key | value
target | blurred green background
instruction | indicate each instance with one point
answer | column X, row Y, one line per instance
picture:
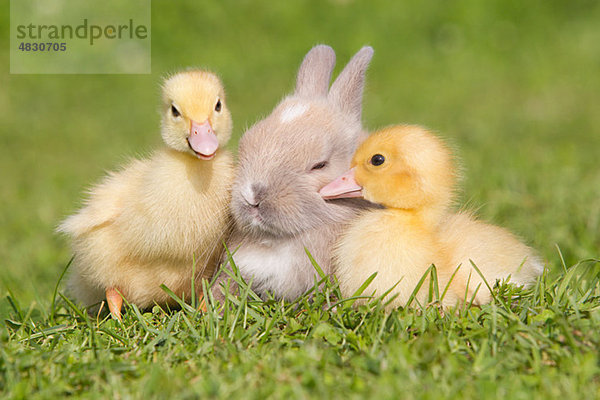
column 513, row 85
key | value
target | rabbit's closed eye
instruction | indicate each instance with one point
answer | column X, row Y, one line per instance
column 319, row 165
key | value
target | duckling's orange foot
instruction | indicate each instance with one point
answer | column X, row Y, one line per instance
column 115, row 301
column 202, row 303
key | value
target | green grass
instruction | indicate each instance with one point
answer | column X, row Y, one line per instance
column 514, row 86
column 537, row 343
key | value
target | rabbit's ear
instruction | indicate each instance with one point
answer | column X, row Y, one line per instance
column 346, row 92
column 315, row 72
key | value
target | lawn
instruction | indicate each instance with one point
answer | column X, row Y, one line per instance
column 513, row 86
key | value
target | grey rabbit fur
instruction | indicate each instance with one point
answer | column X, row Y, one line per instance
column 284, row 159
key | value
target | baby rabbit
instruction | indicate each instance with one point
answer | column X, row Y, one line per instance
column 284, row 160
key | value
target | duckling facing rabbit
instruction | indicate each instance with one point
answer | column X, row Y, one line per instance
column 146, row 225
column 410, row 172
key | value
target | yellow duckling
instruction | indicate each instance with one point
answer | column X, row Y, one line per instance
column 146, row 225
column 410, row 172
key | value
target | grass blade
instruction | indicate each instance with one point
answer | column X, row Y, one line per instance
column 64, row 271
column 315, row 264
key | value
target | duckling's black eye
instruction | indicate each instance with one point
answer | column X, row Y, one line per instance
column 218, row 106
column 377, row 159
column 175, row 111
column 320, row 165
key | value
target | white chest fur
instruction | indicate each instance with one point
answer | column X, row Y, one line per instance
column 280, row 267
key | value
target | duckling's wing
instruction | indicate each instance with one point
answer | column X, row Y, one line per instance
column 497, row 253
column 105, row 202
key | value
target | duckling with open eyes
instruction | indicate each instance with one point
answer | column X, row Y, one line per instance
column 411, row 173
column 148, row 223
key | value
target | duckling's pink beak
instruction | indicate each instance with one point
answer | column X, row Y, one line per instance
column 203, row 140
column 344, row 186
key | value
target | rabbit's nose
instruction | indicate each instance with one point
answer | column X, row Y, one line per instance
column 254, row 194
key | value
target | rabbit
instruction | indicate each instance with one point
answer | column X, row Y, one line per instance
column 284, row 160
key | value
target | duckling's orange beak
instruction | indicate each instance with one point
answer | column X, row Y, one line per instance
column 203, row 140
column 344, row 186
